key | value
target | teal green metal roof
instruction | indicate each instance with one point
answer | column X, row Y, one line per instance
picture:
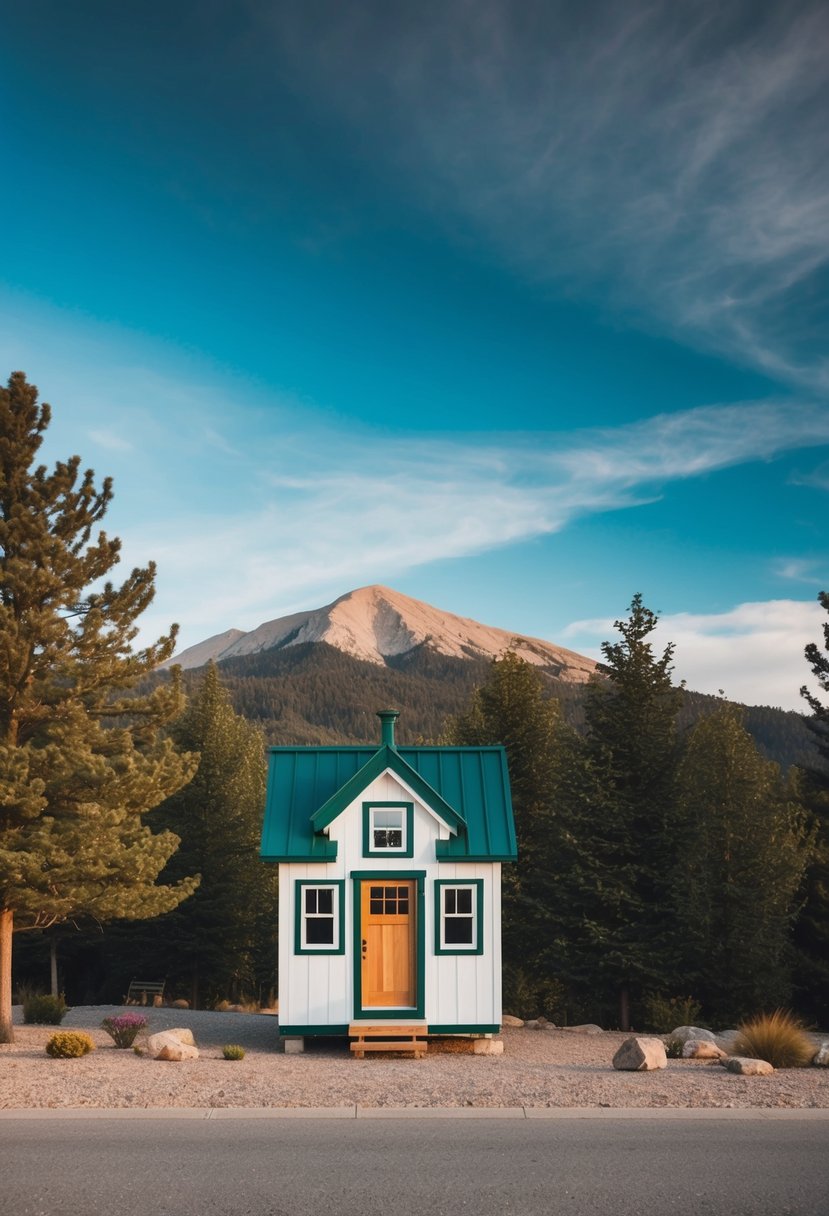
column 309, row 786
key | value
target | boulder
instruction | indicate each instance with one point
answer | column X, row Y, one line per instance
column 640, row 1055
column 701, row 1049
column 509, row 1019
column 684, row 1033
column 177, row 1044
column 586, row 1028
column 821, row 1058
column 745, row 1066
column 181, row 1004
column 488, row 1047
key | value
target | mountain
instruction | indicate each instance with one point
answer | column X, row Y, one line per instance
column 378, row 625
column 319, row 677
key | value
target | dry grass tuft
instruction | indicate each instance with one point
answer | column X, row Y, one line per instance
column 777, row 1037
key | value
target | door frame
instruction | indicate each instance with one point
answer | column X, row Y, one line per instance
column 380, row 1015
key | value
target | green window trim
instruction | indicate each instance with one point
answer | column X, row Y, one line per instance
column 380, row 1014
column 338, row 884
column 408, row 850
column 477, row 946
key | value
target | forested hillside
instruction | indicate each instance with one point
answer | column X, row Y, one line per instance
column 315, row 693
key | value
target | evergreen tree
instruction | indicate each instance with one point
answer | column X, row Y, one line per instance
column 812, row 929
column 512, row 710
column 222, row 941
column 631, row 755
column 744, row 842
column 80, row 761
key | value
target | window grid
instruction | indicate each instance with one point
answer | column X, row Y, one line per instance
column 459, row 916
column 318, row 917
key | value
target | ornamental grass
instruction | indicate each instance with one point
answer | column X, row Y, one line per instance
column 777, row 1037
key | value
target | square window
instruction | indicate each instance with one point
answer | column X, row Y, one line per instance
column 387, row 828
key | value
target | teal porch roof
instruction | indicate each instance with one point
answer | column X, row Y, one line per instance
column 467, row 787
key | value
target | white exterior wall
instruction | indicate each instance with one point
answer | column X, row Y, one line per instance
column 318, row 990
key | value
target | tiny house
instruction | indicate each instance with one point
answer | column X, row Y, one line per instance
column 389, row 885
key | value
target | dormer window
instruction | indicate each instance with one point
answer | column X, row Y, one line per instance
column 387, row 829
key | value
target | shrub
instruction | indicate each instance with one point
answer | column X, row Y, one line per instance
column 123, row 1029
column 67, row 1044
column 42, row 1010
column 673, row 1048
column 232, row 1051
column 664, row 1014
column 530, row 996
column 777, row 1037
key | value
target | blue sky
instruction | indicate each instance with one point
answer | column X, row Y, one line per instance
column 520, row 309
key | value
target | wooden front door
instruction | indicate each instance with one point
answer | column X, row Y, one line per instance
column 388, row 911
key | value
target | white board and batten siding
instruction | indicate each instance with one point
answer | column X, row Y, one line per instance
column 460, row 989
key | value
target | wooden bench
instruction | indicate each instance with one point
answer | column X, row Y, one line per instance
column 388, row 1038
column 145, row 992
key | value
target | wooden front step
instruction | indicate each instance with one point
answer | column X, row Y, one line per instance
column 388, row 1038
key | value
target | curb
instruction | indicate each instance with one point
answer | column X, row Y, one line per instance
column 665, row 1114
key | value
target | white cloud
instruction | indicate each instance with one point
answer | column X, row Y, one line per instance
column 802, row 570
column 672, row 160
column 332, row 512
column 753, row 653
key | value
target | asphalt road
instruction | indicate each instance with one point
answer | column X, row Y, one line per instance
column 380, row 1167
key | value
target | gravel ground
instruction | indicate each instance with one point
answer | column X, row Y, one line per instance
column 538, row 1068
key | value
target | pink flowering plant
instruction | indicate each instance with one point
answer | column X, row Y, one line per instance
column 123, row 1029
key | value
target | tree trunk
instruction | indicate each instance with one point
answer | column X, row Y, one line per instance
column 53, row 965
column 6, row 927
column 624, row 1008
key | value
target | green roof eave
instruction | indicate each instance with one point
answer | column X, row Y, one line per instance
column 385, row 758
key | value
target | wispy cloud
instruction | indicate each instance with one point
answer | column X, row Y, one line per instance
column 753, row 653
column 110, row 441
column 669, row 159
column 332, row 512
column 802, row 570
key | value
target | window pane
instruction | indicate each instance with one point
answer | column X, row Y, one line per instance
column 319, row 931
column 310, row 899
column 325, row 901
column 391, row 906
column 376, row 893
column 457, row 931
column 388, row 819
column 375, row 906
column 449, row 900
column 388, row 838
column 403, row 905
column 465, row 900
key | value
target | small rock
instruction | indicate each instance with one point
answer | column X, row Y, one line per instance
column 701, row 1049
column 509, row 1019
column 169, row 1045
column 821, row 1059
column 640, row 1055
column 684, row 1033
column 181, row 1004
column 532, row 1024
column 183, row 1034
column 488, row 1047
column 586, row 1028
column 744, row 1066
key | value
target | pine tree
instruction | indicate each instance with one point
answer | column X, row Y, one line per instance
column 222, row 941
column 512, row 710
column 80, row 761
column 744, row 842
column 631, row 714
column 812, row 929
